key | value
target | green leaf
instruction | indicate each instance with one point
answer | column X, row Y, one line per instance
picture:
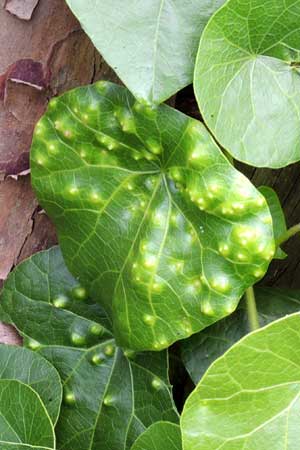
column 151, row 45
column 249, row 398
column 160, row 436
column 150, row 214
column 23, row 418
column 201, row 350
column 279, row 223
column 20, row 364
column 110, row 396
column 247, row 80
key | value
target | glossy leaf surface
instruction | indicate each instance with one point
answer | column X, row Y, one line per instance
column 202, row 349
column 150, row 214
column 279, row 223
column 20, row 364
column 151, row 45
column 247, row 80
column 110, row 397
column 160, row 436
column 249, row 398
column 33, row 428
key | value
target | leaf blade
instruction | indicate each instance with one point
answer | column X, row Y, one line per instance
column 243, row 76
column 20, row 364
column 136, row 180
column 264, row 372
column 161, row 435
column 152, row 47
column 103, row 386
column 35, row 427
column 202, row 349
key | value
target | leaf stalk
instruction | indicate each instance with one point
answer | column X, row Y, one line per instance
column 252, row 310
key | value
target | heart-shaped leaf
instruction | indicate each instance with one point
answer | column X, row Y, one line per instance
column 249, row 398
column 24, row 421
column 247, row 80
column 202, row 349
column 150, row 214
column 110, row 397
column 160, row 436
column 17, row 363
column 278, row 217
column 151, row 45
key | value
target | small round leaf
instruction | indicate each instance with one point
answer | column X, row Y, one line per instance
column 247, row 80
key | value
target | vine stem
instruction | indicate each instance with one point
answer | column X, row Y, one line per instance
column 288, row 234
column 252, row 310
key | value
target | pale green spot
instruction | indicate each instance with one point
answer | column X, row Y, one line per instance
column 60, row 301
column 33, row 344
column 220, row 284
column 69, row 398
column 150, row 261
column 78, row 339
column 80, row 293
column 157, row 384
column 109, row 350
column 109, row 400
column 98, row 359
column 148, row 319
column 96, row 329
column 224, row 249
column 207, row 309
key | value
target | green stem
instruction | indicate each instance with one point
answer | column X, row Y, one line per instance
column 251, row 308
column 288, row 234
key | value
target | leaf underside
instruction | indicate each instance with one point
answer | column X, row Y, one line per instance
column 110, row 396
column 151, row 216
column 249, row 398
column 152, row 45
column 247, row 80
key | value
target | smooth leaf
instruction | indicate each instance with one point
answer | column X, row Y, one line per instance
column 23, row 417
column 151, row 45
column 247, row 80
column 20, row 364
column 110, row 397
column 160, row 436
column 202, row 349
column 279, row 223
column 249, row 398
column 150, row 214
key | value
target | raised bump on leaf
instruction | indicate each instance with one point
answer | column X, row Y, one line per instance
column 179, row 234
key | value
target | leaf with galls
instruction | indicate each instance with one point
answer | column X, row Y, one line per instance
column 150, row 214
column 110, row 396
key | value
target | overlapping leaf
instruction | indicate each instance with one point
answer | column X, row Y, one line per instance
column 24, row 421
column 247, row 80
column 202, row 349
column 151, row 45
column 279, row 223
column 150, row 214
column 160, row 436
column 22, row 365
column 110, row 397
column 249, row 398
